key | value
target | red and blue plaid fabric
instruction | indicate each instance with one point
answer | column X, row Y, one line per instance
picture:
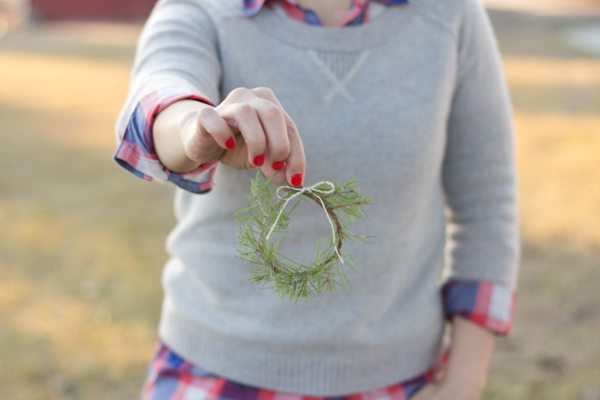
column 483, row 302
column 136, row 152
column 486, row 303
column 358, row 12
column 172, row 377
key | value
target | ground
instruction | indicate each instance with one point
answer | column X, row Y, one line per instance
column 82, row 242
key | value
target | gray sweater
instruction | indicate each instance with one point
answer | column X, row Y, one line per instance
column 413, row 104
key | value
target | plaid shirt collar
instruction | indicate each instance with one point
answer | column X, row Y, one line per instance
column 252, row 7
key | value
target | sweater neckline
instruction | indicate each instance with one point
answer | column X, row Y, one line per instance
column 329, row 38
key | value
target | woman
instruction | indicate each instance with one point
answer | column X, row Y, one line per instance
column 411, row 100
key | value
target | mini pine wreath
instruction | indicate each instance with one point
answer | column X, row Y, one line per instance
column 267, row 214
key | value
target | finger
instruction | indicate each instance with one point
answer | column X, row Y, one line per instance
column 204, row 134
column 244, row 117
column 277, row 177
column 274, row 125
column 296, row 161
column 265, row 93
column 210, row 125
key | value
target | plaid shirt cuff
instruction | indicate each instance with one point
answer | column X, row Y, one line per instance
column 136, row 152
column 486, row 303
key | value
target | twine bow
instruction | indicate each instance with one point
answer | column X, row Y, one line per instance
column 315, row 191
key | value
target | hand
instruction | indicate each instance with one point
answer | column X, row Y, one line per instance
column 464, row 376
column 248, row 129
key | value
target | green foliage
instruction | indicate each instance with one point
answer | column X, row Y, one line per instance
column 289, row 277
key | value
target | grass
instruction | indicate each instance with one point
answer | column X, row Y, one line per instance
column 82, row 255
column 82, row 243
column 554, row 350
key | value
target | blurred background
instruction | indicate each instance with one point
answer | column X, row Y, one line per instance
column 82, row 241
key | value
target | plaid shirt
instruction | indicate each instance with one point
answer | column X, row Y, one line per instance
column 172, row 377
column 486, row 303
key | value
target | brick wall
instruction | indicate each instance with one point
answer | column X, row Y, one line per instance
column 91, row 9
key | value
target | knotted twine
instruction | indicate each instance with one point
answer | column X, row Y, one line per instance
column 315, row 191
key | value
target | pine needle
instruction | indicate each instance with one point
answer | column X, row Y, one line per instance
column 288, row 277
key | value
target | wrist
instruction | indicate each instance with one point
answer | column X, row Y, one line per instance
column 470, row 355
column 471, row 381
column 461, row 389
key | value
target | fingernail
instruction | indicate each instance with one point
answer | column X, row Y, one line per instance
column 297, row 179
column 230, row 144
column 277, row 165
column 259, row 160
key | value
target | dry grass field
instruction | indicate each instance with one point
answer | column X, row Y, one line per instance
column 81, row 241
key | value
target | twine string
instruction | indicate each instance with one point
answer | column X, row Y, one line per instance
column 315, row 191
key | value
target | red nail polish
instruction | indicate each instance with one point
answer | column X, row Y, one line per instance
column 259, row 160
column 230, row 144
column 277, row 165
column 297, row 179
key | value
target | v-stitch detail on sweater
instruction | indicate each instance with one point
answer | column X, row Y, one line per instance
column 339, row 73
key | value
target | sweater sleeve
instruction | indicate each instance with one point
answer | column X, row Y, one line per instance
column 176, row 59
column 479, row 179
